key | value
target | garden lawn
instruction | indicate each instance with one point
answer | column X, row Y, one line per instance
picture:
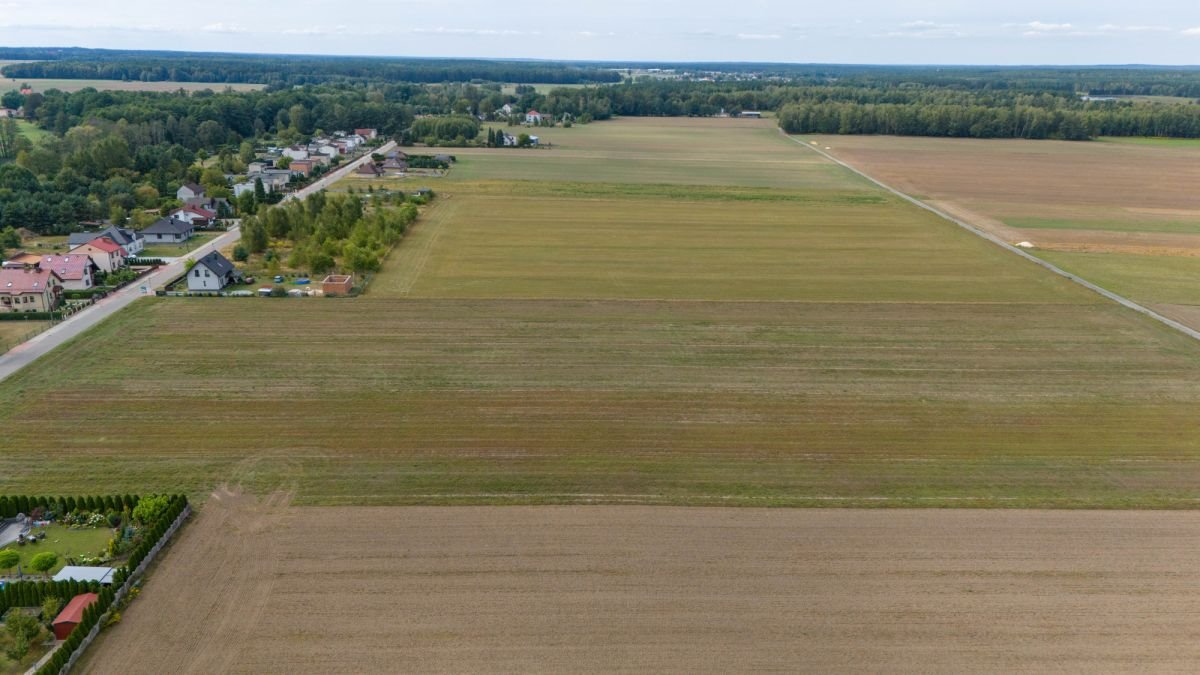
column 66, row 542
column 177, row 250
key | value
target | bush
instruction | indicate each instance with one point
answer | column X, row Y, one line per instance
column 240, row 253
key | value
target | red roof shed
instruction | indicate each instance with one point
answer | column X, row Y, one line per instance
column 72, row 614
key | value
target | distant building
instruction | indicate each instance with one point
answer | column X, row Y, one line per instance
column 212, row 273
column 533, row 117
column 302, row 167
column 369, row 169
column 750, row 113
column 189, row 191
column 369, row 134
column 296, row 152
column 195, row 215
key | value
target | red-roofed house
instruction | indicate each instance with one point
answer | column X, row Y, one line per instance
column 106, row 253
column 197, row 216
column 72, row 615
column 533, row 117
column 28, row 289
column 74, row 271
column 303, row 167
column 369, row 134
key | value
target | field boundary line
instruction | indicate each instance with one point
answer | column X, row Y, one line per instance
column 1119, row 299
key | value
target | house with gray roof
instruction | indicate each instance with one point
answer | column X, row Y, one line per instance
column 169, row 231
column 212, row 273
column 132, row 242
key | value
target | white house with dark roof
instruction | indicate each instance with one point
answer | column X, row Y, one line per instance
column 189, row 191
column 169, row 231
column 212, row 273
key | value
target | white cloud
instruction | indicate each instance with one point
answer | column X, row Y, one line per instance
column 1042, row 27
column 758, row 36
column 1111, row 27
column 593, row 34
column 221, row 27
column 1192, row 31
column 926, row 29
column 441, row 30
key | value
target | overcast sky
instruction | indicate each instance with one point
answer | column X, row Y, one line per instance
column 846, row 31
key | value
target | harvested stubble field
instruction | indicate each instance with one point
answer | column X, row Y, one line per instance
column 667, row 343
column 253, row 588
column 1123, row 213
column 496, row 401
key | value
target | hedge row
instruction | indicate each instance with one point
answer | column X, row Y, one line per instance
column 142, row 262
column 100, row 609
column 32, row 593
column 13, row 505
column 30, row 316
column 84, row 294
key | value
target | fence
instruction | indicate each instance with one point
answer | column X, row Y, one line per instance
column 124, row 589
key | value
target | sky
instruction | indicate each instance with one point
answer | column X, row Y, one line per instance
column 847, row 31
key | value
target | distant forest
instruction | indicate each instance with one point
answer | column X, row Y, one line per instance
column 282, row 71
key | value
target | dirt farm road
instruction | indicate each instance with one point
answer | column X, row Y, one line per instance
column 41, row 344
column 1119, row 299
column 262, row 587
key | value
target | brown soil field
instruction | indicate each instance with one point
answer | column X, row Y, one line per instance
column 256, row 587
column 1049, row 178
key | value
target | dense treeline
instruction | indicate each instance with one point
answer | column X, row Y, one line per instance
column 327, row 232
column 1011, row 120
column 283, row 71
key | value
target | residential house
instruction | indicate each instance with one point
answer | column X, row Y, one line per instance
column 330, row 150
column 369, row 169
column 319, row 160
column 507, row 140
column 189, row 191
column 242, row 188
column 258, row 166
column 507, row 109
column 133, row 242
column 301, row 167
column 28, row 289
column 107, row 254
column 394, row 164
column 397, row 154
column 534, row 140
column 533, row 117
column 169, row 231
column 8, row 112
column 296, row 152
column 212, row 273
column 369, row 134
column 195, row 215
column 211, row 204
column 75, row 272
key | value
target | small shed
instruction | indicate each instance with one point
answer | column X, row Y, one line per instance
column 104, row 575
column 337, row 284
column 72, row 614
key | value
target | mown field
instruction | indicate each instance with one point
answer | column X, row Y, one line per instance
column 46, row 84
column 804, row 340
column 1123, row 213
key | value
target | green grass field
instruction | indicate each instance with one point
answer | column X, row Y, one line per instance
column 772, row 333
column 1144, row 278
column 33, row 132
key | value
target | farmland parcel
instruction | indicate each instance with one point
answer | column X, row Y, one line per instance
column 1121, row 213
column 653, row 311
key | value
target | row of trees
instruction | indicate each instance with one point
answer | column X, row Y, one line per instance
column 11, row 506
column 327, row 232
column 977, row 121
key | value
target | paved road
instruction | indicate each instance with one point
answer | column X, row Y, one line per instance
column 27, row 352
column 1190, row 332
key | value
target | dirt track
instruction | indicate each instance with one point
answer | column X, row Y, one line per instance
column 260, row 588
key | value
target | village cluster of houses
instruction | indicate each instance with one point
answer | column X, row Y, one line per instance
column 281, row 164
column 34, row 282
